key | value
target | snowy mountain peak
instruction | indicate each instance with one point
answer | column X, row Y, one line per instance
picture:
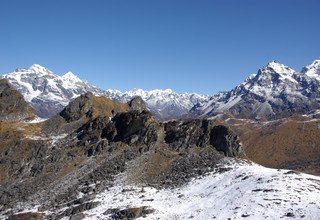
column 313, row 70
column 49, row 93
column 36, row 68
column 71, row 77
column 275, row 66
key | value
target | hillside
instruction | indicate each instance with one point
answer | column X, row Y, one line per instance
column 289, row 143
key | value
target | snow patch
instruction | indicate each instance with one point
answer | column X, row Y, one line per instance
column 250, row 191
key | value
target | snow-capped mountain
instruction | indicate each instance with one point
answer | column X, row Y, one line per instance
column 313, row 70
column 166, row 104
column 274, row 91
column 49, row 93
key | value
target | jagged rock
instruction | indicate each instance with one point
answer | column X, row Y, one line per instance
column 191, row 163
column 92, row 130
column 12, row 104
column 226, row 141
column 201, row 133
column 80, row 107
column 90, row 106
column 137, row 103
column 81, row 110
column 134, row 127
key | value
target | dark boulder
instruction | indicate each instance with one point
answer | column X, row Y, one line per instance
column 78, row 108
column 137, row 103
column 129, row 213
column 134, row 127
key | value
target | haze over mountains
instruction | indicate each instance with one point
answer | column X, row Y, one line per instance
column 275, row 91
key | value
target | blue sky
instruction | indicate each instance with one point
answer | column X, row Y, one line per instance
column 200, row 46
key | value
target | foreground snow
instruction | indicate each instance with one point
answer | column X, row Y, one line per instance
column 245, row 191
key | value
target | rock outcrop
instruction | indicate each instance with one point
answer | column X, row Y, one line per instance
column 81, row 110
column 134, row 127
column 137, row 103
column 13, row 107
column 201, row 133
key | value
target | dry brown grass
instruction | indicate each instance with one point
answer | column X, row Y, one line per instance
column 21, row 128
column 105, row 107
column 149, row 166
column 292, row 144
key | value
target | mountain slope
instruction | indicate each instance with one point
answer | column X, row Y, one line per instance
column 276, row 91
column 289, row 143
column 240, row 191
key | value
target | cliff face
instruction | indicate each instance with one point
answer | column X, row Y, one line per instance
column 13, row 107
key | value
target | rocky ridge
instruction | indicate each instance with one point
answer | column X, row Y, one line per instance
column 82, row 149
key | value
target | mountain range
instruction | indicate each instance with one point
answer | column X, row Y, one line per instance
column 49, row 93
column 275, row 91
column 102, row 159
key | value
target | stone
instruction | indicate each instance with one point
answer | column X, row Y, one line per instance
column 27, row 216
column 133, row 127
column 137, row 103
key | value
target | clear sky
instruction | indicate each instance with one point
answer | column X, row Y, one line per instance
column 200, row 46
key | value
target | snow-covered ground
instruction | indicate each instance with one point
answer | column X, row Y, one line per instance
column 36, row 120
column 245, row 191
